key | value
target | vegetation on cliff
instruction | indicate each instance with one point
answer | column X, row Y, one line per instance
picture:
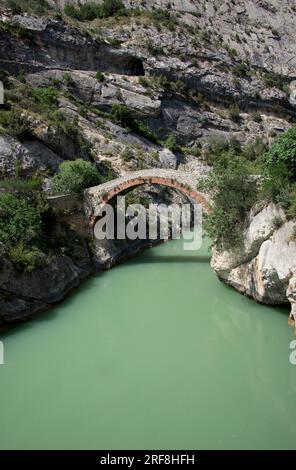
column 74, row 176
column 235, row 188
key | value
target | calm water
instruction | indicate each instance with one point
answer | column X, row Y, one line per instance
column 153, row 354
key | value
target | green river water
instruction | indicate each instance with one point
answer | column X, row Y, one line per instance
column 154, row 354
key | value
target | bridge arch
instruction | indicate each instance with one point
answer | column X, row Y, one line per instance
column 97, row 196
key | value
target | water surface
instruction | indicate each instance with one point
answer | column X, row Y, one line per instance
column 154, row 354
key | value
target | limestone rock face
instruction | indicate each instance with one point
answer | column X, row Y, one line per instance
column 264, row 267
column 23, row 294
column 168, row 159
column 29, row 156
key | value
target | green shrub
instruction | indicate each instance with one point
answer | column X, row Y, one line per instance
column 71, row 11
column 74, row 177
column 20, row 221
column 273, row 80
column 282, row 154
column 217, row 148
column 123, row 116
column 277, row 222
column 162, row 17
column 241, row 70
column 233, row 193
column 253, row 150
column 171, row 144
column 68, row 79
column 100, row 76
column 38, row 7
column 47, row 96
column 19, row 185
column 256, row 116
column 25, row 258
column 127, row 155
column 234, row 113
column 143, row 130
column 90, row 10
column 16, row 124
column 292, row 205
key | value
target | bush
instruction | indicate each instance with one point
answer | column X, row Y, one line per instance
column 241, row 70
column 277, row 222
column 234, row 113
column 24, row 258
column 282, row 154
column 171, row 144
column 47, row 96
column 256, row 116
column 164, row 18
column 89, row 11
column 39, row 7
column 100, row 76
column 20, row 221
column 16, row 124
column 68, row 79
column 255, row 149
column 122, row 115
column 233, row 193
column 74, row 177
column 292, row 205
column 73, row 12
column 273, row 80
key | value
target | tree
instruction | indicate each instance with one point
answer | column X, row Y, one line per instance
column 282, row 154
column 75, row 176
column 233, row 193
column 19, row 219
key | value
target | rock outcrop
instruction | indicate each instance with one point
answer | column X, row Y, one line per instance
column 264, row 267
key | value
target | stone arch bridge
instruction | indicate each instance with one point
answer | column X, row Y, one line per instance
column 97, row 196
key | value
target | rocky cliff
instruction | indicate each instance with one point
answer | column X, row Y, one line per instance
column 186, row 71
column 264, row 265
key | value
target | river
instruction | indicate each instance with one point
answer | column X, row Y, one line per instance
column 154, row 354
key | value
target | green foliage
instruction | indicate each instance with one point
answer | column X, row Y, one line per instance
column 24, row 258
column 16, row 124
column 171, row 144
column 47, row 96
column 282, row 154
column 100, row 76
column 241, row 70
column 233, row 193
column 256, row 116
column 72, row 11
column 19, row 221
column 162, row 17
column 68, row 79
column 292, row 205
column 90, row 10
column 74, row 177
column 19, row 185
column 234, row 113
column 123, row 116
column 273, row 80
column 277, row 222
column 254, row 150
column 38, row 7
column 153, row 49
column 23, row 210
